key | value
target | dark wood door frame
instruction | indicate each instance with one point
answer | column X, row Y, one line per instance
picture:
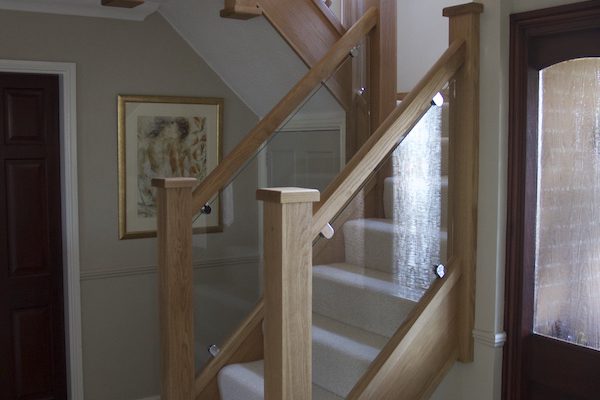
column 533, row 38
column 70, row 222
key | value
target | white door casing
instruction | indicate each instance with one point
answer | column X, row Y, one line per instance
column 69, row 209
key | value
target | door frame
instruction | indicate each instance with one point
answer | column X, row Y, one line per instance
column 69, row 210
column 539, row 26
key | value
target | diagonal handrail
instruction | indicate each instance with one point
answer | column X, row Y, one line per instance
column 393, row 129
column 222, row 174
column 358, row 170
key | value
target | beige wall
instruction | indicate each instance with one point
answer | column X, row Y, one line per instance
column 118, row 280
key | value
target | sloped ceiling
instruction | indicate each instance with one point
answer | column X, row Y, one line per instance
column 88, row 8
column 250, row 56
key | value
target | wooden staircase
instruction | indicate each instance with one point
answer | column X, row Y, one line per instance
column 437, row 332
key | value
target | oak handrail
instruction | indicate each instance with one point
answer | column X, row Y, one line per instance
column 390, row 132
column 345, row 185
column 266, row 127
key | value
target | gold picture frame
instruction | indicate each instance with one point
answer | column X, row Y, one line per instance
column 165, row 136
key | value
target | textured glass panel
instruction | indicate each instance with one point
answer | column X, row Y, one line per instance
column 415, row 200
column 567, row 281
column 371, row 274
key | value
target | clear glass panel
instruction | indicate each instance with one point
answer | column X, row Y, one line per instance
column 567, row 281
column 380, row 261
column 336, row 6
column 308, row 150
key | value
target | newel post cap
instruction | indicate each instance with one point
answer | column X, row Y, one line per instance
column 461, row 9
column 285, row 195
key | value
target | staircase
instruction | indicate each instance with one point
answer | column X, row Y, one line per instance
column 375, row 323
column 356, row 309
column 360, row 302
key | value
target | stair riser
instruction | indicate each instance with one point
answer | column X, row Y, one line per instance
column 335, row 370
column 371, row 311
column 394, row 250
column 391, row 188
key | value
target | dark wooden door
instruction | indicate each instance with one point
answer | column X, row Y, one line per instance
column 553, row 226
column 32, row 339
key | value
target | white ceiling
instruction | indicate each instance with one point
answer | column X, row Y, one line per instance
column 250, row 56
column 88, row 8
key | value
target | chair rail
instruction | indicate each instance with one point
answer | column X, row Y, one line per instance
column 221, row 175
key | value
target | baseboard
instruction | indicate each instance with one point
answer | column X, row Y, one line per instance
column 490, row 339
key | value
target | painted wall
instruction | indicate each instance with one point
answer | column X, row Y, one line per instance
column 119, row 299
column 482, row 379
column 422, row 19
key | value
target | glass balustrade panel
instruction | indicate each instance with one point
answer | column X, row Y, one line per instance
column 388, row 241
column 307, row 150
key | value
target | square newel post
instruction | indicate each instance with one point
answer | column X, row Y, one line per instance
column 464, row 166
column 288, row 292
column 175, row 286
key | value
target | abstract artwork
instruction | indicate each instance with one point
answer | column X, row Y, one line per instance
column 164, row 137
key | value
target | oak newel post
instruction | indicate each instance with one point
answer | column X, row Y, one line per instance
column 174, row 201
column 288, row 292
column 464, row 166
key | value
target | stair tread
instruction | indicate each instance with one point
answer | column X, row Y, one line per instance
column 246, row 382
column 368, row 279
column 365, row 298
column 395, row 247
column 341, row 354
column 356, row 342
column 385, row 225
column 400, row 178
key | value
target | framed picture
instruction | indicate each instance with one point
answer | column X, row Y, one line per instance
column 165, row 137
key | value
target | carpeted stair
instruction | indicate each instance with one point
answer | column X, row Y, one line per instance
column 355, row 311
column 357, row 305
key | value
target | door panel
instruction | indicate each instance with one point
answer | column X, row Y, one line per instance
column 28, row 223
column 24, row 115
column 566, row 371
column 32, row 339
column 32, row 357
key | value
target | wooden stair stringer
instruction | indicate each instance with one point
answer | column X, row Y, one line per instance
column 308, row 31
column 421, row 351
column 241, row 9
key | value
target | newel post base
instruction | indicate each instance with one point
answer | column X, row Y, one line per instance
column 175, row 286
column 288, row 292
